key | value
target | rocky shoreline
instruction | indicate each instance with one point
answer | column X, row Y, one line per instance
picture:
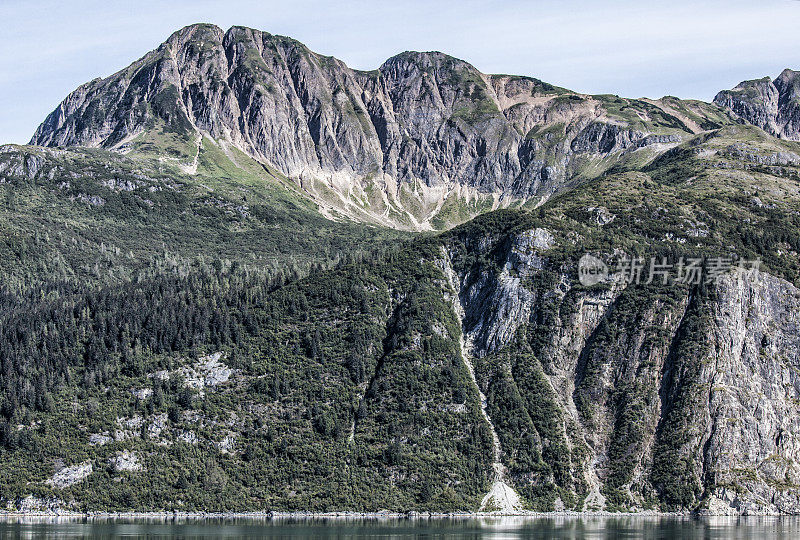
column 58, row 513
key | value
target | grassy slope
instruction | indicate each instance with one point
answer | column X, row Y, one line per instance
column 92, row 214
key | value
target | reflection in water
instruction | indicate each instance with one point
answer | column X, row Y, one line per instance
column 566, row 527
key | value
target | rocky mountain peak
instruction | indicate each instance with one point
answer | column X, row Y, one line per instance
column 425, row 141
column 425, row 61
column 771, row 105
column 788, row 85
column 787, row 74
column 197, row 32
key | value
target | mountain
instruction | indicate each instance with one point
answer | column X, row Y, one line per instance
column 198, row 314
column 774, row 106
column 468, row 370
column 425, row 141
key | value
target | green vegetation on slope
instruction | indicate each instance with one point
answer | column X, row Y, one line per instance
column 347, row 390
column 87, row 214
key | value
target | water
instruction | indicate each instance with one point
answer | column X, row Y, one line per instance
column 456, row 528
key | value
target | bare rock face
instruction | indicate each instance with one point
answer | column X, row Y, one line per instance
column 71, row 475
column 32, row 504
column 157, row 425
column 774, row 106
column 752, row 451
column 208, row 372
column 100, row 439
column 125, row 461
column 392, row 145
column 689, row 401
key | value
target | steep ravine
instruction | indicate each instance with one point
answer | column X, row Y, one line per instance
column 501, row 497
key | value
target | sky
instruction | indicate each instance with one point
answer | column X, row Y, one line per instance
column 689, row 49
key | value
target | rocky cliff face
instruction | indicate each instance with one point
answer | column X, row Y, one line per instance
column 749, row 425
column 679, row 397
column 424, row 141
column 643, row 395
column 772, row 105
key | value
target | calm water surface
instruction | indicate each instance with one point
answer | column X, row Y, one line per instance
column 457, row 528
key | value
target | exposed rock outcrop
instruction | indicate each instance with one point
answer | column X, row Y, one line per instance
column 68, row 476
column 424, row 141
column 32, row 504
column 714, row 382
column 772, row 105
column 125, row 461
column 207, row 372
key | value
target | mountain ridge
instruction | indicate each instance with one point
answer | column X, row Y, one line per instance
column 424, row 141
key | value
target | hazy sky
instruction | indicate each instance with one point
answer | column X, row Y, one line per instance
column 690, row 49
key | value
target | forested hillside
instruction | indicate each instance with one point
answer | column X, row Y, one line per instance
column 220, row 384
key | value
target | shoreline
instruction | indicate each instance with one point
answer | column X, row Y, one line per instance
column 277, row 515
